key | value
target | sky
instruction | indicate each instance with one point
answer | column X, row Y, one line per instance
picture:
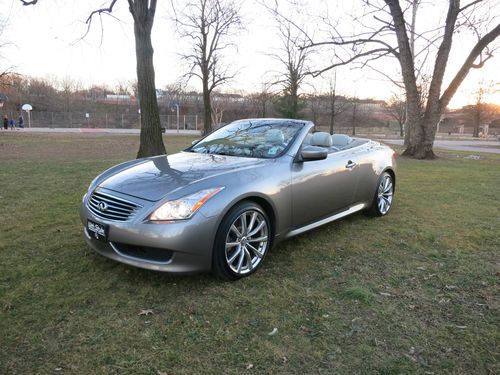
column 46, row 41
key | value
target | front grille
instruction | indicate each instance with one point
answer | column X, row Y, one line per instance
column 108, row 207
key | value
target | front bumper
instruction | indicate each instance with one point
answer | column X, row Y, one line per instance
column 178, row 247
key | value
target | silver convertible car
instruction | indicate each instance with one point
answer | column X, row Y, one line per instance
column 223, row 202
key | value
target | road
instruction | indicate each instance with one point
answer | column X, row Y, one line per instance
column 459, row 145
column 104, row 131
column 479, row 145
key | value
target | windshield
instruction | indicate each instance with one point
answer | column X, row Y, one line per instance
column 250, row 138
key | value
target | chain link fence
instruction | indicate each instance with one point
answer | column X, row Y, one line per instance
column 107, row 120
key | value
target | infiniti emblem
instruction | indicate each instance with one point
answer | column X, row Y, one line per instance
column 102, row 206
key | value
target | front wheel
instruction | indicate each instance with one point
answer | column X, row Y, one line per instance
column 242, row 241
column 382, row 201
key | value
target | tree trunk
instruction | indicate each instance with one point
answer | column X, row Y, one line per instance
column 421, row 139
column 477, row 120
column 332, row 112
column 151, row 137
column 207, row 111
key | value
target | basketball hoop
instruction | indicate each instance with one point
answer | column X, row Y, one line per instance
column 3, row 99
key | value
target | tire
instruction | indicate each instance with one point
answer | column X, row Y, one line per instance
column 242, row 242
column 384, row 196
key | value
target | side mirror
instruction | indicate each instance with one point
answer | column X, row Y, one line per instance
column 195, row 142
column 310, row 153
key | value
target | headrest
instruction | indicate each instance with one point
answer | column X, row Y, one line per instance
column 341, row 139
column 321, row 139
column 307, row 139
column 275, row 136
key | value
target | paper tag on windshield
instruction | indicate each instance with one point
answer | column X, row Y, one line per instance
column 272, row 150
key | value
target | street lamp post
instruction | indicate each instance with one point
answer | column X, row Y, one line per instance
column 177, row 107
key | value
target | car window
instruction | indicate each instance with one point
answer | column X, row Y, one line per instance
column 250, row 138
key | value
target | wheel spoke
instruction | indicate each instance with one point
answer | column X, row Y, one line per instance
column 235, row 230
column 388, row 189
column 240, row 261
column 255, row 251
column 260, row 239
column 235, row 255
column 231, row 244
column 381, row 205
column 387, row 181
column 252, row 221
column 249, row 259
column 256, row 230
column 386, row 203
column 244, row 227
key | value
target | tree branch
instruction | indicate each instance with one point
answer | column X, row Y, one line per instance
column 468, row 64
column 109, row 9
column 469, row 5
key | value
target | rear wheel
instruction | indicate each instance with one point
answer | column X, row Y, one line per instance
column 242, row 241
column 382, row 201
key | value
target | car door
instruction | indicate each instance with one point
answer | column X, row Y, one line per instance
column 321, row 188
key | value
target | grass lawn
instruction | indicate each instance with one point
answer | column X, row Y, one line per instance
column 414, row 292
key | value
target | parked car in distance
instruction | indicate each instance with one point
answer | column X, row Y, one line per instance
column 223, row 202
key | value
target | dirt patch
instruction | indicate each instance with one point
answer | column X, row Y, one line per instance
column 63, row 147
column 60, row 147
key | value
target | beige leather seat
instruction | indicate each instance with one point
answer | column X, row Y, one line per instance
column 275, row 136
column 340, row 140
column 321, row 139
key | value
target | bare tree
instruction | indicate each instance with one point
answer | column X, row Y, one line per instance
column 68, row 86
column 375, row 42
column 396, row 109
column 314, row 99
column 481, row 112
column 336, row 106
column 143, row 13
column 208, row 25
column 294, row 64
column 353, row 105
column 4, row 72
column 263, row 99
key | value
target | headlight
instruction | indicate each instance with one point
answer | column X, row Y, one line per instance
column 185, row 207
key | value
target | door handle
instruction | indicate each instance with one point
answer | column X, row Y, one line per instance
column 350, row 164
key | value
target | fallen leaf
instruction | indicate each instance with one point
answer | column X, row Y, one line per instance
column 461, row 327
column 273, row 332
column 58, row 369
column 385, row 294
column 249, row 366
column 421, row 268
column 145, row 312
column 284, row 359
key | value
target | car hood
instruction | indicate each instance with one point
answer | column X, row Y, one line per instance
column 156, row 177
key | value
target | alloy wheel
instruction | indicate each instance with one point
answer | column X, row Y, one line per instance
column 246, row 242
column 385, row 194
